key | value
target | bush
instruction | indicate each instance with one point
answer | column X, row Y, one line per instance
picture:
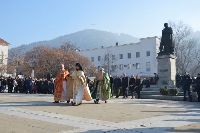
column 164, row 91
column 173, row 91
column 164, row 82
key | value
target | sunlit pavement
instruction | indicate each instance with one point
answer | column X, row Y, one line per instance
column 36, row 113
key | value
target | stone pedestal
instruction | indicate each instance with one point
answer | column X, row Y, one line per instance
column 166, row 70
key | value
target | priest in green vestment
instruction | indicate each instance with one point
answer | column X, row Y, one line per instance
column 103, row 87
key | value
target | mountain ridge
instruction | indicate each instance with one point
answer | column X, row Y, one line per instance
column 84, row 39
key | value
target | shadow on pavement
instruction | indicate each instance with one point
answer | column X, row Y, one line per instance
column 32, row 103
column 146, row 130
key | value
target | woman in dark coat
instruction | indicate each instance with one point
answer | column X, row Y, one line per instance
column 138, row 86
column 132, row 85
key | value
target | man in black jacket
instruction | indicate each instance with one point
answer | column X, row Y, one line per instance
column 197, row 83
column 10, row 84
column 186, row 82
column 38, row 86
column 117, row 85
column 111, row 84
column 125, row 84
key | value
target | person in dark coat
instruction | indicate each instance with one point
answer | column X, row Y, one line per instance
column 117, row 84
column 197, row 84
column 138, row 86
column 20, row 85
column 132, row 85
column 178, row 80
column 29, row 85
column 125, row 85
column 186, row 82
column 111, row 84
column 38, row 86
column 25, row 85
column 46, row 85
column 3, row 84
column 51, row 86
column 10, row 84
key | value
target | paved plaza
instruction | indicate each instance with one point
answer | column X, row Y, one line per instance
column 35, row 113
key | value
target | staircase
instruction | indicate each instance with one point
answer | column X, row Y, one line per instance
column 153, row 92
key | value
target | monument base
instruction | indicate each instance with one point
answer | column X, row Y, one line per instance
column 166, row 70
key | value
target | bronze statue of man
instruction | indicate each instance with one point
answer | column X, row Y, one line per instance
column 166, row 44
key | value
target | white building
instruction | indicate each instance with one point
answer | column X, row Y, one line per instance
column 3, row 56
column 135, row 58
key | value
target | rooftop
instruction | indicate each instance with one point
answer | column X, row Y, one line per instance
column 2, row 42
column 121, row 44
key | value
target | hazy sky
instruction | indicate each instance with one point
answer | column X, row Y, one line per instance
column 27, row 21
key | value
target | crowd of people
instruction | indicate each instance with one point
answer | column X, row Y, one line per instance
column 186, row 83
column 27, row 85
column 125, row 86
column 119, row 86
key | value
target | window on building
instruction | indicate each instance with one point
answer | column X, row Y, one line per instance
column 148, row 53
column 121, row 66
column 99, row 58
column 113, row 57
column 1, row 55
column 137, row 65
column 92, row 59
column 148, row 66
column 98, row 68
column 107, row 57
column 120, row 56
column 129, row 55
column 113, row 68
column 1, row 61
column 106, row 68
column 129, row 66
column 137, row 54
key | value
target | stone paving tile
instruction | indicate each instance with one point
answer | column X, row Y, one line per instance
column 14, row 124
column 112, row 112
column 192, row 128
column 118, row 116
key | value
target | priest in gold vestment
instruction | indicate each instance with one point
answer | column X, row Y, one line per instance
column 60, row 85
column 80, row 89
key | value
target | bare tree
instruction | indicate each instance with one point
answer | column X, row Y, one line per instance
column 3, row 69
column 47, row 60
column 15, row 57
column 108, row 62
column 185, row 46
column 68, row 46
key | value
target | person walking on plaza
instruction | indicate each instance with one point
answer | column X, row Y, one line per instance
column 103, row 87
column 117, row 85
column 138, row 86
column 132, row 85
column 61, row 85
column 125, row 85
column 186, row 82
column 80, row 89
column 197, row 83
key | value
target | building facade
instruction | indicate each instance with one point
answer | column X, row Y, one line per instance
column 3, row 56
column 133, row 59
